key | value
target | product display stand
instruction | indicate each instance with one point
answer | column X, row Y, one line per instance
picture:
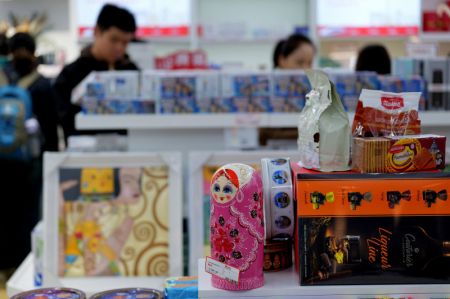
column 22, row 281
column 285, row 284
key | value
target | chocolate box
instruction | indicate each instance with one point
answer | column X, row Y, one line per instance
column 355, row 228
column 398, row 153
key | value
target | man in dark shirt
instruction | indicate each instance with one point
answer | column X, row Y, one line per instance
column 114, row 30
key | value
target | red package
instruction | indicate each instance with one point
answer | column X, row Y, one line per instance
column 382, row 113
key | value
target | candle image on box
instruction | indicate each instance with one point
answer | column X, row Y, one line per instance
column 237, row 225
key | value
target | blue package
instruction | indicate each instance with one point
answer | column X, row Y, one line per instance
column 289, row 92
column 346, row 88
column 178, row 95
column 181, row 288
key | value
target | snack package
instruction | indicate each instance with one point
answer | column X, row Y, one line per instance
column 398, row 153
column 323, row 128
column 382, row 113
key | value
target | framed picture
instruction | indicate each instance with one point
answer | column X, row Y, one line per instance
column 202, row 166
column 112, row 215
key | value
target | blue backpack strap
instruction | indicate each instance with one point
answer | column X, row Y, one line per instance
column 3, row 79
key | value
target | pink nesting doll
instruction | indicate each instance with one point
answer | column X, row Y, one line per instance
column 237, row 225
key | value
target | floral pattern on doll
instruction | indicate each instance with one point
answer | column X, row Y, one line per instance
column 230, row 246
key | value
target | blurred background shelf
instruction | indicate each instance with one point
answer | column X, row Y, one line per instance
column 219, row 121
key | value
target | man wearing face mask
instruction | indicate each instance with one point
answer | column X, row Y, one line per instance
column 21, row 180
column 114, row 30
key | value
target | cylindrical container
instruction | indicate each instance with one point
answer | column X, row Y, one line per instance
column 277, row 254
column 51, row 293
column 129, row 293
column 237, row 225
column 278, row 198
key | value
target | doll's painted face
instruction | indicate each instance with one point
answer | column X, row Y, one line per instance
column 224, row 188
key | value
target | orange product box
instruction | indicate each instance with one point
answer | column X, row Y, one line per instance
column 350, row 195
column 398, row 153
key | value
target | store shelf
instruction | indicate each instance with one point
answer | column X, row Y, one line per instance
column 218, row 121
column 22, row 281
column 185, row 121
column 435, row 37
column 285, row 284
column 214, row 41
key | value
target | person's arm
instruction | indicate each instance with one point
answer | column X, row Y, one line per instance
column 45, row 111
column 62, row 88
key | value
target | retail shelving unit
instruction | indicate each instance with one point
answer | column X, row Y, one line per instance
column 207, row 131
column 285, row 284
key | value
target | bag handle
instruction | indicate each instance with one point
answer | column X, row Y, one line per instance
column 28, row 80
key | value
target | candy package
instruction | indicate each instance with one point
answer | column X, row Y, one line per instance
column 381, row 113
column 323, row 128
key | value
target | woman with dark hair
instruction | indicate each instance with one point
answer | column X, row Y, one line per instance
column 374, row 58
column 295, row 52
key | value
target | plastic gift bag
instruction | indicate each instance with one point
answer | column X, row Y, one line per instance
column 323, row 127
column 381, row 113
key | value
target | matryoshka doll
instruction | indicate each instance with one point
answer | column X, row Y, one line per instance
column 237, row 225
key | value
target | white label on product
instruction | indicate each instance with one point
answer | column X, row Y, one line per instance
column 222, row 270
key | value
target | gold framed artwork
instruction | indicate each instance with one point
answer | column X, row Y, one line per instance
column 112, row 215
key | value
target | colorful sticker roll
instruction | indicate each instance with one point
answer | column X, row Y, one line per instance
column 51, row 293
column 278, row 198
column 129, row 293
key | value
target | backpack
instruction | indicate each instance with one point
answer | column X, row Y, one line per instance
column 16, row 108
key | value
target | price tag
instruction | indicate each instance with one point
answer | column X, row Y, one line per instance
column 222, row 270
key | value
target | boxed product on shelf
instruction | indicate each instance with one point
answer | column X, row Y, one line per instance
column 436, row 73
column 398, row 153
column 113, row 92
column 407, row 67
column 372, row 228
column 182, row 91
column 245, row 91
column 289, row 89
column 181, row 287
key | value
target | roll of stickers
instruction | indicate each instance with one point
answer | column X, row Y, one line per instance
column 129, row 293
column 51, row 293
column 278, row 198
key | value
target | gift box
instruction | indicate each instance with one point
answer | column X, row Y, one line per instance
column 372, row 228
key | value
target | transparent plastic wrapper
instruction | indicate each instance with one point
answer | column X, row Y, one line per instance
column 386, row 114
column 323, row 127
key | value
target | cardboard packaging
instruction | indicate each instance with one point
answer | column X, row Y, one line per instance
column 245, row 91
column 289, row 91
column 398, row 153
column 182, row 91
column 376, row 229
